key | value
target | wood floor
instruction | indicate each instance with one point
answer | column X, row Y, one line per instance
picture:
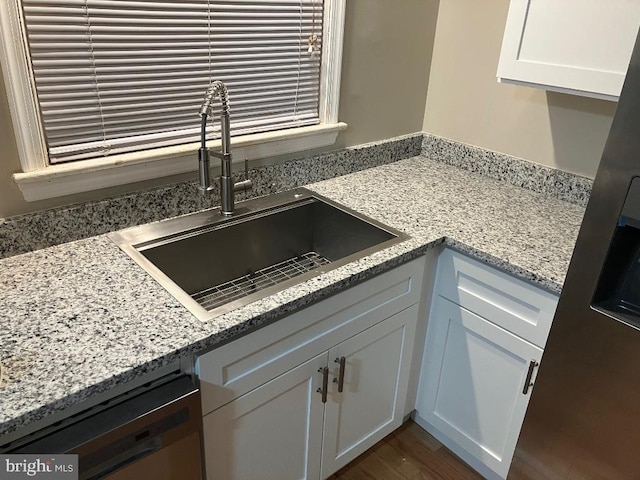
column 409, row 453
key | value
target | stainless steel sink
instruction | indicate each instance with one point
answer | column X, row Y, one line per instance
column 213, row 264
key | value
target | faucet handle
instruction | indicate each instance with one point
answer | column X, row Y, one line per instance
column 245, row 184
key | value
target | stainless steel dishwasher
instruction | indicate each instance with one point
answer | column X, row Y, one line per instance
column 153, row 432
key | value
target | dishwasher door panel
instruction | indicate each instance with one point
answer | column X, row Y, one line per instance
column 177, row 461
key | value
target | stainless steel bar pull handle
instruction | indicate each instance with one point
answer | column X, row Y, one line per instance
column 528, row 383
column 340, row 380
column 325, row 383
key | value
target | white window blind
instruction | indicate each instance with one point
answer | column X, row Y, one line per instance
column 116, row 76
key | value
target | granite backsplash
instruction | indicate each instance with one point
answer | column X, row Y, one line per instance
column 25, row 233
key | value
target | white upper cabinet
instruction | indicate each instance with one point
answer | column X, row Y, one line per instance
column 581, row 47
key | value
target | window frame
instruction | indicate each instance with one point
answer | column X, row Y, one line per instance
column 40, row 180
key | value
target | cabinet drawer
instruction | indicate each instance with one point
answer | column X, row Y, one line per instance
column 242, row 365
column 513, row 304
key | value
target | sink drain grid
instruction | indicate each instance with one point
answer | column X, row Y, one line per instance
column 259, row 280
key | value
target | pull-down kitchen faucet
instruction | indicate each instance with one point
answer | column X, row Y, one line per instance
column 227, row 186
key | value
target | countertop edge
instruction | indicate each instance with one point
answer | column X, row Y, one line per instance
column 538, row 280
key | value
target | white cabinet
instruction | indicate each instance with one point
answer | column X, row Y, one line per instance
column 485, row 335
column 289, row 429
column 262, row 394
column 271, row 432
column 371, row 404
column 574, row 46
column 474, row 373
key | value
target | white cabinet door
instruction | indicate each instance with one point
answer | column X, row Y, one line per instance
column 575, row 46
column 273, row 432
column 471, row 391
column 376, row 375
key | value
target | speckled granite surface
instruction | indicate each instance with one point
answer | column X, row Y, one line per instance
column 538, row 178
column 80, row 318
column 526, row 233
column 26, row 233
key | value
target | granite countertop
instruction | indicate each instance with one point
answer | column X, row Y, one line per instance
column 82, row 317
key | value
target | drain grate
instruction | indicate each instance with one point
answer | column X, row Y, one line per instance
column 259, row 280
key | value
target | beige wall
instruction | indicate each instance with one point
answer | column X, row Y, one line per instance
column 466, row 103
column 390, row 58
column 385, row 73
column 383, row 77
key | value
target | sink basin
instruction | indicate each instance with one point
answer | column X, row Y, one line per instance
column 213, row 264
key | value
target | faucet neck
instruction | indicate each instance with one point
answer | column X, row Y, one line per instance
column 227, row 186
column 216, row 88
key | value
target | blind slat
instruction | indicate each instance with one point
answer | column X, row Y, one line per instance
column 115, row 76
column 46, row 50
column 165, row 108
column 73, row 99
column 148, row 60
column 141, row 78
column 158, row 83
column 165, row 91
column 221, row 38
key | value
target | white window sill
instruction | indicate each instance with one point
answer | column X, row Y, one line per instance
column 69, row 178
